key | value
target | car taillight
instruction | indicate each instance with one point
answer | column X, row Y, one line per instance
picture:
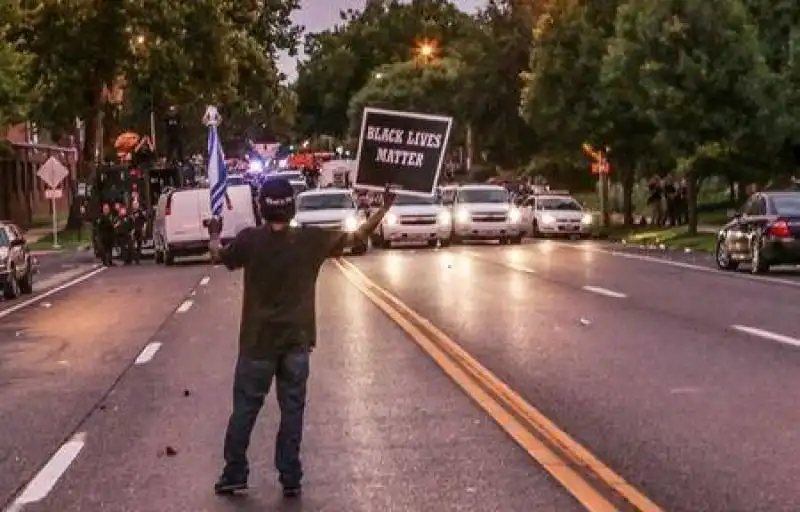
column 780, row 229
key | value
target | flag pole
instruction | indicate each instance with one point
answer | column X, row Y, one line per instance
column 216, row 172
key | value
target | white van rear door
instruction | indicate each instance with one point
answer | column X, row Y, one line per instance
column 241, row 215
column 184, row 221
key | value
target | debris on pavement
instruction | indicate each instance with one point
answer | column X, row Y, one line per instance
column 585, row 321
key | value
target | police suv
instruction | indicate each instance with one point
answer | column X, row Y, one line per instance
column 555, row 213
column 331, row 208
column 415, row 219
column 485, row 212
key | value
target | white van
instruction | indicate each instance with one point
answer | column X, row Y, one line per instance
column 178, row 226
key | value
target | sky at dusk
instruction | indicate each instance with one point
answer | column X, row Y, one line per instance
column 317, row 15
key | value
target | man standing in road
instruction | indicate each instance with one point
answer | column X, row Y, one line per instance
column 139, row 227
column 124, row 231
column 104, row 234
column 278, row 326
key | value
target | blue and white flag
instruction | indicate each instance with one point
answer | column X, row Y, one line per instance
column 217, row 174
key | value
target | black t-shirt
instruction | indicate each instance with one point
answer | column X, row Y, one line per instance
column 280, row 277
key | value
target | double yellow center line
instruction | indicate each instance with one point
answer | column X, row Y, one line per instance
column 596, row 486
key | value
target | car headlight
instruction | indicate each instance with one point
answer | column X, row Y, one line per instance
column 514, row 215
column 444, row 218
column 587, row 219
column 390, row 219
column 3, row 253
column 548, row 219
column 350, row 224
column 462, row 215
column 294, row 224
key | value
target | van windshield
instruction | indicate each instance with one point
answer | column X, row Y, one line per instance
column 324, row 202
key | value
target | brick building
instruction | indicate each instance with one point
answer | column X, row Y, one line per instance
column 22, row 193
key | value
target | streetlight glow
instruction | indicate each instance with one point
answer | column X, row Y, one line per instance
column 140, row 39
column 426, row 50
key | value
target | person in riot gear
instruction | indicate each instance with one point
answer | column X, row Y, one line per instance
column 104, row 234
column 139, row 217
column 278, row 328
column 124, row 228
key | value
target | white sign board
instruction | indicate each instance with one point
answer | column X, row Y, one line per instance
column 52, row 172
column 54, row 193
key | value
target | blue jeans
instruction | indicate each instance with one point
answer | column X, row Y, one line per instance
column 250, row 387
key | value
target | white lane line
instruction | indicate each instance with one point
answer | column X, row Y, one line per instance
column 186, row 306
column 148, row 353
column 61, row 277
column 49, row 475
column 4, row 313
column 679, row 264
column 605, row 292
column 767, row 335
column 205, row 280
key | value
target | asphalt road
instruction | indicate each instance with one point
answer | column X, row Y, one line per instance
column 386, row 429
column 679, row 377
column 662, row 370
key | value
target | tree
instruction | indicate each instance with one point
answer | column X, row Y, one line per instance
column 431, row 88
column 562, row 99
column 167, row 52
column 696, row 71
column 14, row 98
column 341, row 61
column 494, row 59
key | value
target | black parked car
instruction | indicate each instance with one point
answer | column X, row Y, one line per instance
column 16, row 262
column 765, row 233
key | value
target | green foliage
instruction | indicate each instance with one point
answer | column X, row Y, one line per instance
column 432, row 88
column 186, row 53
column 344, row 59
column 14, row 94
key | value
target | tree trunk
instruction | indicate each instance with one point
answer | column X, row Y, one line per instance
column 691, row 189
column 732, row 191
column 627, row 194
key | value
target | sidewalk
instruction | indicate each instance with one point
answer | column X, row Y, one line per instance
column 386, row 430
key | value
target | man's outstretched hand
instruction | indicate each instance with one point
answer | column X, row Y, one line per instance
column 214, row 226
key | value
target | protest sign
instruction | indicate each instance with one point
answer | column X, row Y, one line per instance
column 402, row 149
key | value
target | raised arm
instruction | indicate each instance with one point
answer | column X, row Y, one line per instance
column 366, row 229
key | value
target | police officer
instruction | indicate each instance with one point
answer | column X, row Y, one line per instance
column 104, row 234
column 124, row 231
column 139, row 218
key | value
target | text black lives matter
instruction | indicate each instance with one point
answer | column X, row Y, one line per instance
column 410, row 139
column 402, row 149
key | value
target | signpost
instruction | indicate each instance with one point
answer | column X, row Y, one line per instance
column 402, row 149
column 53, row 172
column 601, row 168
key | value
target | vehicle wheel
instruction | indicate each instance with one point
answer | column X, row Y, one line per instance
column 723, row 257
column 517, row 240
column 26, row 283
column 11, row 289
column 758, row 265
column 445, row 242
column 433, row 243
column 169, row 258
column 386, row 244
column 358, row 250
column 456, row 240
